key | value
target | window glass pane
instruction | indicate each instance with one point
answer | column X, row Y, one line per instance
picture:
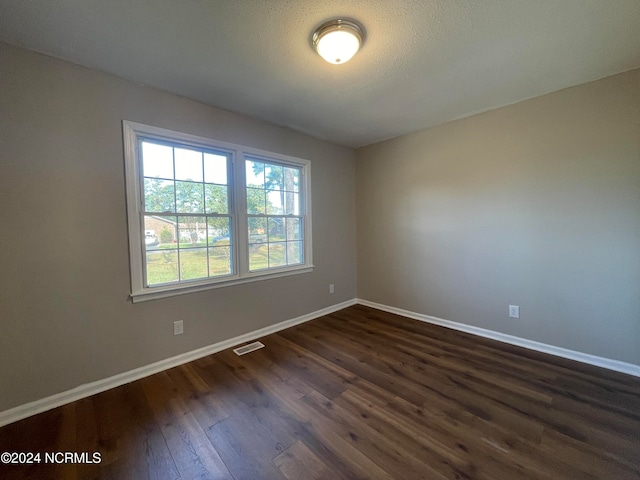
column 274, row 177
column 219, row 231
column 162, row 266
column 159, row 195
column 157, row 160
column 257, row 230
column 215, row 168
column 294, row 253
column 188, row 164
column 274, row 202
column 258, row 257
column 294, row 229
column 255, row 201
column 292, row 179
column 219, row 261
column 277, row 256
column 276, row 229
column 159, row 232
column 193, row 263
column 189, row 197
column 216, row 198
column 254, row 173
column 291, row 203
column 192, row 231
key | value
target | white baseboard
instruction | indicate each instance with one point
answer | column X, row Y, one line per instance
column 607, row 363
column 86, row 390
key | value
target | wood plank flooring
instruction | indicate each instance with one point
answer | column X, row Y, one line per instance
column 358, row 394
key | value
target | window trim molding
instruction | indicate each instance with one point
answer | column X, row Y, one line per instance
column 139, row 292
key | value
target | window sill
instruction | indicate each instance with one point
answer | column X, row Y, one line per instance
column 164, row 292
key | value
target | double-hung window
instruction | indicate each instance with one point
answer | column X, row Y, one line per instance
column 204, row 213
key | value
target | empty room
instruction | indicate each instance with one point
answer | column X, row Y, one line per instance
column 302, row 240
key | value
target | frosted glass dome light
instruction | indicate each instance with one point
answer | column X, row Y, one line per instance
column 337, row 41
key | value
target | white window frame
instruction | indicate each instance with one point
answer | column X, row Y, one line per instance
column 132, row 132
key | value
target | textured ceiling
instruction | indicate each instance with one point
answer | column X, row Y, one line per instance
column 423, row 62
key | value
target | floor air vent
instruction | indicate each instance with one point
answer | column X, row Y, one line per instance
column 248, row 348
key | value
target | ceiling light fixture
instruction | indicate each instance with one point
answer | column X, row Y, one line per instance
column 338, row 40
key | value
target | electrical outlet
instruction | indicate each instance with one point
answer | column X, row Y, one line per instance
column 178, row 327
column 331, row 289
column 514, row 311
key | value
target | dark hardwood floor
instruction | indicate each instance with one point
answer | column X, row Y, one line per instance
column 356, row 394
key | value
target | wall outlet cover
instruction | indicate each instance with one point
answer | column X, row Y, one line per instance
column 178, row 327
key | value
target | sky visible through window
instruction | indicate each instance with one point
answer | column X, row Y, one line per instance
column 192, row 165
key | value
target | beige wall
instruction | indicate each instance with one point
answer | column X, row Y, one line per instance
column 535, row 204
column 65, row 316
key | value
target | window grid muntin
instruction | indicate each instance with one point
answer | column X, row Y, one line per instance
column 296, row 191
column 300, row 241
column 202, row 151
column 177, row 214
column 179, row 249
